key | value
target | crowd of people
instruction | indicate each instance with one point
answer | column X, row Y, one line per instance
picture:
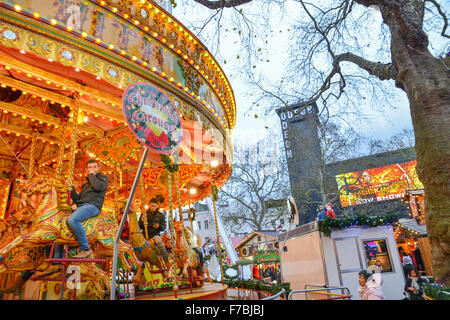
column 370, row 281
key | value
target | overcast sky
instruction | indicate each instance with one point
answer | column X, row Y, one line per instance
column 248, row 128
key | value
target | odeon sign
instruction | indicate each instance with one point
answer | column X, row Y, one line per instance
column 152, row 118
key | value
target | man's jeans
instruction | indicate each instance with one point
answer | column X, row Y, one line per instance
column 84, row 212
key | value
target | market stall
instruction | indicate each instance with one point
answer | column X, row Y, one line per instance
column 333, row 252
column 411, row 234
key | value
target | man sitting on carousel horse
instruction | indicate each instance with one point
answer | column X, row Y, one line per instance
column 156, row 223
column 87, row 204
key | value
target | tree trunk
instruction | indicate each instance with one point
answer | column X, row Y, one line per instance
column 426, row 81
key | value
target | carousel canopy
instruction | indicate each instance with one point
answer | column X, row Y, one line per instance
column 63, row 71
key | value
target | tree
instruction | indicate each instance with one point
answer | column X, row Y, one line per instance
column 410, row 64
column 257, row 180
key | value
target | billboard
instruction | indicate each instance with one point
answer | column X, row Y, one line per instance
column 377, row 184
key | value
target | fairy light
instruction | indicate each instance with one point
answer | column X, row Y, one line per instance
column 171, row 46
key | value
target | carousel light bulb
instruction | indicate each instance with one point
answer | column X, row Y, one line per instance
column 17, row 7
column 192, row 191
column 214, row 163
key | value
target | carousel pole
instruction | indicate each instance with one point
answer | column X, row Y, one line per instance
column 172, row 231
column 189, row 210
column 73, row 146
column 213, row 188
column 177, row 183
column 144, row 213
column 116, row 194
column 60, row 163
column 32, row 164
column 180, row 211
column 122, row 223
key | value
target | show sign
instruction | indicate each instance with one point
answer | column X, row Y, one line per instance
column 378, row 184
column 152, row 118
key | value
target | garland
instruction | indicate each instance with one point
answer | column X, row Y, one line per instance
column 272, row 289
column 358, row 220
column 168, row 163
column 436, row 292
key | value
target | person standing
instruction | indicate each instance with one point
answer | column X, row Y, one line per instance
column 369, row 286
column 156, row 223
column 86, row 205
column 414, row 285
column 407, row 265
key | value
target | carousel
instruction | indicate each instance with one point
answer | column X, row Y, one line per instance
column 65, row 68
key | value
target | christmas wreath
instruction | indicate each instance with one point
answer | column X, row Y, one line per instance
column 227, row 267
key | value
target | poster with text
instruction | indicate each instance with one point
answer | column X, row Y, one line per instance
column 377, row 184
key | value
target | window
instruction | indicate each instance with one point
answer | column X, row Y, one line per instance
column 376, row 251
column 244, row 251
column 259, row 238
column 206, row 224
column 199, row 225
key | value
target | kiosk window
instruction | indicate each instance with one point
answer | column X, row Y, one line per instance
column 376, row 251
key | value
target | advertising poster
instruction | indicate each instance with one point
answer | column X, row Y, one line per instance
column 377, row 184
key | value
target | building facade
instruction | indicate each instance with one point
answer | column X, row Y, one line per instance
column 303, row 155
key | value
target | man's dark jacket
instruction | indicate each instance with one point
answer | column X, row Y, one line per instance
column 153, row 218
column 93, row 191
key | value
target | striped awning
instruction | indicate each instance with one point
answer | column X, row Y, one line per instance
column 411, row 227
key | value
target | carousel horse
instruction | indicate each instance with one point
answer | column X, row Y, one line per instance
column 185, row 255
column 32, row 259
column 145, row 249
column 20, row 259
column 48, row 201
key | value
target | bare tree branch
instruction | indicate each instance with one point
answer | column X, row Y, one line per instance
column 222, row 3
column 438, row 7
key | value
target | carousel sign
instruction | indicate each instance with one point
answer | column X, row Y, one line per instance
column 152, row 118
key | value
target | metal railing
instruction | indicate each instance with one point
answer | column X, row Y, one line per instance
column 324, row 290
column 276, row 296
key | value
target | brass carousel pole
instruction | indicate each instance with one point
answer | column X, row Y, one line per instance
column 32, row 164
column 60, row 163
column 213, row 195
column 116, row 194
column 73, row 146
column 189, row 210
column 180, row 210
column 143, row 202
column 172, row 231
column 177, row 183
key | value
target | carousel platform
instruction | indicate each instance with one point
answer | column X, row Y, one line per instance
column 210, row 291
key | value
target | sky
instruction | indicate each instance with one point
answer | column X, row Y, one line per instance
column 249, row 129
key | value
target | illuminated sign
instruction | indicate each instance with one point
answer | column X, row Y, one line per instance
column 377, row 184
column 152, row 118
